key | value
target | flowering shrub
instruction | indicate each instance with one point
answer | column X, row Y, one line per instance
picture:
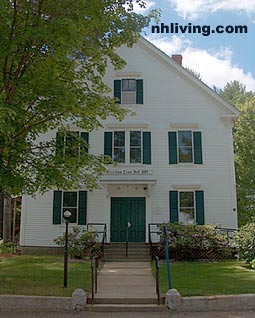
column 81, row 244
column 245, row 242
column 189, row 242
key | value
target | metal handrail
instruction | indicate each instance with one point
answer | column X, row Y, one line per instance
column 94, row 268
column 127, row 242
column 104, row 232
column 157, row 278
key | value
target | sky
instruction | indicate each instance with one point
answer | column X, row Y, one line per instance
column 218, row 57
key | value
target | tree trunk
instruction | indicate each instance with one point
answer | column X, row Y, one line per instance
column 1, row 213
column 7, row 219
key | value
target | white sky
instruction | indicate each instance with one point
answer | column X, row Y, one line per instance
column 193, row 9
column 208, row 63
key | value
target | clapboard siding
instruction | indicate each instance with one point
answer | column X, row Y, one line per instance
column 169, row 98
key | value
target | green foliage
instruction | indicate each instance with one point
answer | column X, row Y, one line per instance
column 194, row 73
column 81, row 244
column 245, row 242
column 189, row 242
column 244, row 148
column 53, row 57
column 6, row 248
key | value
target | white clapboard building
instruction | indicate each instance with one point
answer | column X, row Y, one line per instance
column 174, row 158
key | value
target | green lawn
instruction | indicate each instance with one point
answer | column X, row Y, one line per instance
column 201, row 278
column 41, row 275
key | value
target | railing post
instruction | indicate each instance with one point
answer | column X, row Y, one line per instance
column 92, row 279
column 157, row 278
column 128, row 226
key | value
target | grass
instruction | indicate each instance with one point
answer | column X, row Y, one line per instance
column 41, row 275
column 204, row 279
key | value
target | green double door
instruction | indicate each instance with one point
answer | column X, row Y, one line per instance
column 124, row 210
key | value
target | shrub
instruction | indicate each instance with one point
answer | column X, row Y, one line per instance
column 81, row 244
column 190, row 242
column 6, row 247
column 245, row 242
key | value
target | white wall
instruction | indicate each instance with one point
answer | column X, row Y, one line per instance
column 169, row 98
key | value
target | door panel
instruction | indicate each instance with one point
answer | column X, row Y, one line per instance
column 124, row 210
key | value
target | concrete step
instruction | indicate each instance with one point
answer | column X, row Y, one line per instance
column 127, row 259
column 129, row 243
column 130, row 253
column 124, row 308
column 123, row 301
column 137, row 252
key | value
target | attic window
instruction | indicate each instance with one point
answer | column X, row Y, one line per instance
column 129, row 91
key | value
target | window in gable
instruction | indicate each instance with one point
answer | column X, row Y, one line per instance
column 129, row 91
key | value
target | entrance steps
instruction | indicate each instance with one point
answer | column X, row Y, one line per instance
column 125, row 287
column 125, row 308
column 137, row 252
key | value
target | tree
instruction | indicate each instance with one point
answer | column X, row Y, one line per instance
column 244, row 147
column 194, row 73
column 53, row 56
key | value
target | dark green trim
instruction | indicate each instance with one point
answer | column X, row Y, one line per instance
column 82, row 208
column 200, row 214
column 172, row 146
column 60, row 145
column 85, row 138
column 57, row 202
column 197, row 139
column 117, row 90
column 108, row 144
column 146, row 147
column 139, row 91
column 173, row 203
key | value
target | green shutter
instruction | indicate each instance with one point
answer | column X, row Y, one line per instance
column 57, row 202
column 82, row 208
column 197, row 138
column 146, row 147
column 200, row 218
column 85, row 138
column 173, row 202
column 108, row 144
column 59, row 145
column 172, row 144
column 139, row 91
column 117, row 90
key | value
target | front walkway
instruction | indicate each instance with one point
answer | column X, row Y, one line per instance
column 126, row 280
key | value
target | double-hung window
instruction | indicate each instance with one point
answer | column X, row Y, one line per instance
column 71, row 144
column 186, row 207
column 128, row 146
column 129, row 91
column 119, row 150
column 72, row 201
column 185, row 146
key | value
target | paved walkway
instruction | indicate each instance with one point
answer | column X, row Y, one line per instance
column 126, row 280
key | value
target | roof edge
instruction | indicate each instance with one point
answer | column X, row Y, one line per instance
column 196, row 81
